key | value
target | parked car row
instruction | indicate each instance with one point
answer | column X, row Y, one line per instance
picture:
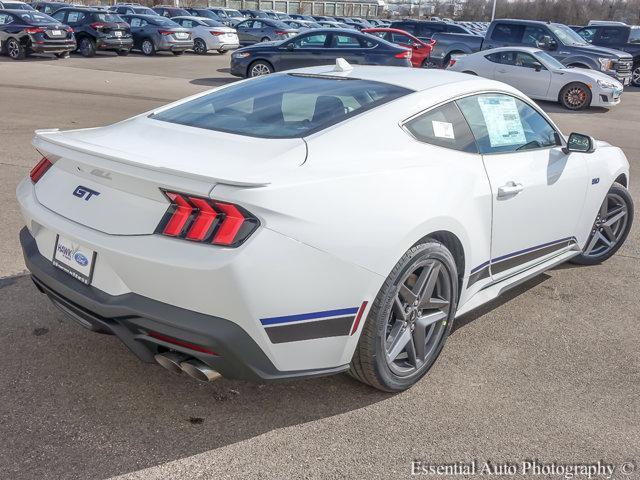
column 88, row 30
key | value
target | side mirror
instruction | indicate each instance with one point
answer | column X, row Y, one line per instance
column 547, row 43
column 537, row 66
column 579, row 143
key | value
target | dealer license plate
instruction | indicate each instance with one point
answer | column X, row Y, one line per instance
column 74, row 259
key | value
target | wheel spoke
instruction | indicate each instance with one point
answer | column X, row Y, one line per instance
column 420, row 336
column 398, row 342
column 603, row 208
column 434, row 303
column 592, row 244
column 604, row 239
column 407, row 295
column 615, row 215
column 412, row 355
column 608, row 233
column 399, row 309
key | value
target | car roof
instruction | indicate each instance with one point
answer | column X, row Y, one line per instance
column 417, row 79
column 190, row 17
column 526, row 22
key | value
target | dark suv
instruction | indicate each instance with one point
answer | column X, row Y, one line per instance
column 23, row 32
column 153, row 33
column 97, row 30
column 131, row 10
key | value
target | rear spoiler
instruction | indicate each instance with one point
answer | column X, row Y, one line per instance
column 49, row 140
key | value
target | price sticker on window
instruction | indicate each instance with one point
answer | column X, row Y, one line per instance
column 503, row 122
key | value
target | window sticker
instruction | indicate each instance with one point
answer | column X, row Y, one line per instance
column 503, row 121
column 442, row 129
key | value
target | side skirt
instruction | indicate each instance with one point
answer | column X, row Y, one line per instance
column 494, row 290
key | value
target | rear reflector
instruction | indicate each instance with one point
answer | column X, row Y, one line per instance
column 356, row 322
column 405, row 54
column 207, row 221
column 181, row 343
column 40, row 169
column 452, row 62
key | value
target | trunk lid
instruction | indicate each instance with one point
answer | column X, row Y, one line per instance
column 129, row 164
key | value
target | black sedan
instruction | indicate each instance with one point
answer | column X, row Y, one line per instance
column 28, row 31
column 317, row 47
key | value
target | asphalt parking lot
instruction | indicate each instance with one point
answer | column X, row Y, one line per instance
column 549, row 372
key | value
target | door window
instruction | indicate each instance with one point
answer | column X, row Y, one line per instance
column 5, row 18
column 345, row 41
column 75, row 17
column 503, row 58
column 59, row 16
column 611, row 36
column 501, row 124
column 445, row 127
column 588, row 34
column 533, row 36
column 310, row 41
column 504, row 32
column 523, row 59
column 400, row 38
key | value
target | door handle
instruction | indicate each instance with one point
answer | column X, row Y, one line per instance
column 510, row 189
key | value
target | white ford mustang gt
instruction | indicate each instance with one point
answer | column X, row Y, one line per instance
column 315, row 221
column 538, row 75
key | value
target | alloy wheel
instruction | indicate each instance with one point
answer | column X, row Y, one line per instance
column 575, row 97
column 635, row 76
column 609, row 226
column 13, row 49
column 147, row 47
column 418, row 317
column 259, row 69
column 199, row 47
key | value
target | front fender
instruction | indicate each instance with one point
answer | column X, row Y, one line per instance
column 581, row 60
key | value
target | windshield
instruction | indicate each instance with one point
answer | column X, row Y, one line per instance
column 549, row 60
column 282, row 105
column 143, row 11
column 566, row 35
column 233, row 13
column 107, row 17
column 36, row 18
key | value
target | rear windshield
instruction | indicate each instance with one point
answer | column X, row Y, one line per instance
column 282, row 105
column 163, row 22
column 35, row 18
column 107, row 17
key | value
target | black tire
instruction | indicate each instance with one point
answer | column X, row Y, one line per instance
column 199, row 47
column 258, row 68
column 265, row 39
column 369, row 363
column 87, row 47
column 147, row 47
column 575, row 96
column 222, row 52
column 15, row 49
column 62, row 55
column 123, row 53
column 177, row 53
column 593, row 255
column 635, row 75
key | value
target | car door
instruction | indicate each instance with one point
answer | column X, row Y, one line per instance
column 524, row 72
column 5, row 20
column 246, row 32
column 304, row 51
column 137, row 25
column 538, row 191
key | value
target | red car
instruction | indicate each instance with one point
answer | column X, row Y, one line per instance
column 421, row 50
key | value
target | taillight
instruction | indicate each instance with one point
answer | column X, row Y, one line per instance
column 433, row 43
column 216, row 33
column 452, row 62
column 405, row 54
column 206, row 221
column 40, row 169
column 279, row 32
column 98, row 25
column 69, row 29
column 34, row 30
column 165, row 32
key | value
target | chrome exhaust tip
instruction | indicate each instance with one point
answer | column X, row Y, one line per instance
column 199, row 370
column 171, row 361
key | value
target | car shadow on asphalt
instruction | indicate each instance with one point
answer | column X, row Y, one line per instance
column 212, row 82
column 78, row 404
column 506, row 297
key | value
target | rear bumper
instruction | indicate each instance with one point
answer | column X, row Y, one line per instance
column 175, row 46
column 54, row 46
column 131, row 317
column 224, row 47
column 114, row 43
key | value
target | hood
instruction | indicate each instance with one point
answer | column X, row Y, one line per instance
column 601, row 51
column 260, row 46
